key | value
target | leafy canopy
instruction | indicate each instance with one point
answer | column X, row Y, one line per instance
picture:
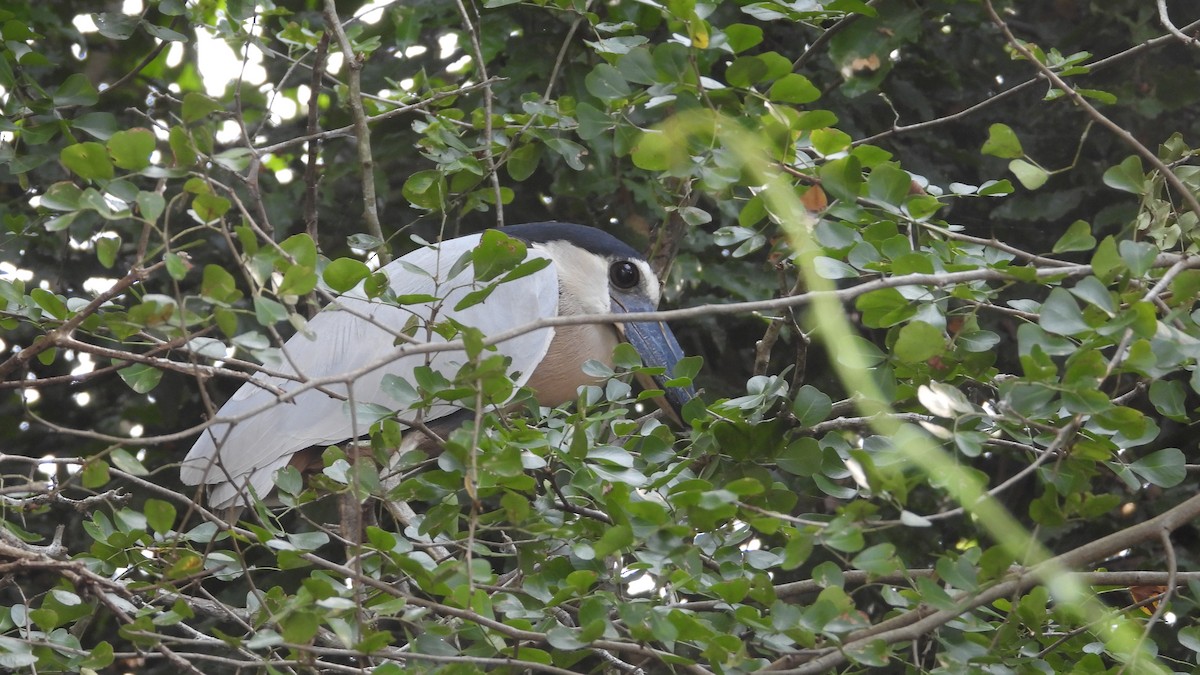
column 940, row 265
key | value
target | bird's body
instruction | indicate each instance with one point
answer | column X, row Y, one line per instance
column 354, row 343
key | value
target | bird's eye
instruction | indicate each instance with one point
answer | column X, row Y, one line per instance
column 624, row 275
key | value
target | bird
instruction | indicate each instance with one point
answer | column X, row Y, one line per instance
column 354, row 342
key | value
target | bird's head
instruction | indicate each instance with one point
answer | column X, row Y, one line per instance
column 600, row 274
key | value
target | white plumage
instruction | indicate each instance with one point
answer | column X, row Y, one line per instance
column 254, row 435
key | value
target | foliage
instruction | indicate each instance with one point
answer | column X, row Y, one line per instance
column 939, row 258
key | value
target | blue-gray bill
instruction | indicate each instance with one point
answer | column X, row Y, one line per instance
column 657, row 346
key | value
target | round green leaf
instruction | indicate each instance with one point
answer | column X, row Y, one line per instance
column 160, row 515
column 131, row 149
column 1002, row 142
column 794, row 88
column 89, row 160
column 1030, row 175
column 1078, row 237
column 1127, row 176
column 918, row 342
column 344, row 273
column 741, row 36
column 425, row 189
column 1061, row 314
column 1164, row 468
column 140, row 377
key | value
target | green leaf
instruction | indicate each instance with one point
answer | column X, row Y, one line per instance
column 1164, row 468
column 77, row 89
column 1190, row 637
column 496, row 254
column 524, row 160
column 1097, row 95
column 101, row 125
column 344, row 273
column 210, row 207
column 1138, row 256
column 1060, row 314
column 614, row 539
column 802, row 457
column 62, row 196
column 830, row 141
column 151, row 205
column 1030, row 175
column 95, row 473
column 218, row 285
column 302, row 249
column 1169, row 398
column 1078, row 237
column 160, row 515
column 106, row 250
column 617, row 45
column 141, row 377
column 843, row 536
column 182, row 147
column 475, row 297
column 606, row 83
column 1129, row 422
column 426, row 189
column 889, row 184
column 918, row 342
column 297, row 280
column 570, row 151
column 636, row 66
column 996, row 188
column 115, row 25
column 1106, row 261
column 977, row 341
column 123, row 460
column 163, row 33
column 740, row 36
column 564, row 638
column 833, row 268
column 299, row 627
column 1093, row 291
column 51, row 303
column 656, row 151
column 197, row 106
column 268, row 312
column 811, row 405
column 793, row 88
column 746, row 71
column 884, row 308
column 841, row 178
column 1127, row 176
column 877, row 559
column 1002, row 142
column 731, row 591
column 177, row 267
column 289, row 481
column 130, row 149
column 922, row 207
column 89, row 160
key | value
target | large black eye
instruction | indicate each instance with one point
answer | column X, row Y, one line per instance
column 624, row 275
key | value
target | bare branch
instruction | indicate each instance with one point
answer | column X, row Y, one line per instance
column 362, row 131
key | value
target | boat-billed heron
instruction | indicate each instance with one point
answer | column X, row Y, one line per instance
column 355, row 342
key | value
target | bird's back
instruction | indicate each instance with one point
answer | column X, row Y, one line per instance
column 257, row 434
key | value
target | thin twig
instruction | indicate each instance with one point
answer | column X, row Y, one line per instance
column 50, row 338
column 362, row 132
column 489, row 156
column 1164, row 17
column 311, row 172
column 1078, row 99
column 827, row 35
